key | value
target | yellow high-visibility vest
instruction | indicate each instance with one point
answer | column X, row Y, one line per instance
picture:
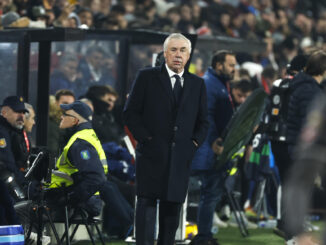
column 62, row 176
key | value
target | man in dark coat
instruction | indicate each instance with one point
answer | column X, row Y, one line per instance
column 220, row 110
column 304, row 88
column 166, row 113
column 13, row 156
column 13, row 149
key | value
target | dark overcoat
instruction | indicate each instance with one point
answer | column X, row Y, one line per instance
column 165, row 132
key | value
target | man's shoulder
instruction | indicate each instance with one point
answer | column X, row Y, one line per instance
column 5, row 136
column 149, row 70
column 79, row 146
column 80, row 143
column 4, row 130
column 195, row 77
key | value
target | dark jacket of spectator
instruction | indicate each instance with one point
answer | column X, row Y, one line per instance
column 219, row 113
column 104, row 123
column 59, row 81
column 304, row 89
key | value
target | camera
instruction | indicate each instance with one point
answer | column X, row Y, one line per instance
column 13, row 187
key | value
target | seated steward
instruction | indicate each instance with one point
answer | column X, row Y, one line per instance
column 81, row 165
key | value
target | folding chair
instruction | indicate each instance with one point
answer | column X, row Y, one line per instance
column 80, row 217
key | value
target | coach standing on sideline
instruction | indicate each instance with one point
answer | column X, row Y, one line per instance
column 166, row 113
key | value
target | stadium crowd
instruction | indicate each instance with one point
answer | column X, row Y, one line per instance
column 284, row 25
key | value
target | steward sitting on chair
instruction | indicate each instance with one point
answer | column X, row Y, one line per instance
column 81, row 165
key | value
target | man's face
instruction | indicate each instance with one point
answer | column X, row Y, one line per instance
column 227, row 69
column 95, row 59
column 70, row 70
column 177, row 54
column 86, row 18
column 239, row 96
column 29, row 121
column 65, row 99
column 15, row 119
column 68, row 119
column 110, row 99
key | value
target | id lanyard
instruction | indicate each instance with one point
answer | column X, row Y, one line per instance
column 26, row 140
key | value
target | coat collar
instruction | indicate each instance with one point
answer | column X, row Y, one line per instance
column 166, row 83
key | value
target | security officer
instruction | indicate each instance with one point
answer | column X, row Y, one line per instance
column 81, row 165
column 13, row 150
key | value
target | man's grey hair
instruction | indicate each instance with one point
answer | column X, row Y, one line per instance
column 29, row 107
column 176, row 36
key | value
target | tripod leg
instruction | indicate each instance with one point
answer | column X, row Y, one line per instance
column 40, row 226
column 239, row 219
column 259, row 202
column 67, row 226
column 52, row 226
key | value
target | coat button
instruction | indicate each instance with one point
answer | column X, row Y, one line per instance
column 175, row 128
column 173, row 144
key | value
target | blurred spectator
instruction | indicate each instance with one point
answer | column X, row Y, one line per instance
column 118, row 12
column 29, row 118
column 240, row 91
column 73, row 21
column 62, row 20
column 93, row 5
column 148, row 20
column 185, row 24
column 91, row 65
column 86, row 17
column 92, row 69
column 109, row 69
column 105, row 7
column 268, row 76
column 111, row 23
column 55, row 134
column 304, row 88
column 130, row 7
column 248, row 28
column 197, row 18
column 9, row 18
column 104, row 124
column 170, row 23
column 50, row 17
column 65, row 76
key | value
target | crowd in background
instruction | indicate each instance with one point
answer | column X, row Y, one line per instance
column 285, row 25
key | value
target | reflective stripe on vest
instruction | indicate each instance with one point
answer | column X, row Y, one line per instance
column 65, row 168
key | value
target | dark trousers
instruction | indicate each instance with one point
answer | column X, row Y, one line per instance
column 8, row 214
column 169, row 213
column 118, row 214
column 284, row 163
